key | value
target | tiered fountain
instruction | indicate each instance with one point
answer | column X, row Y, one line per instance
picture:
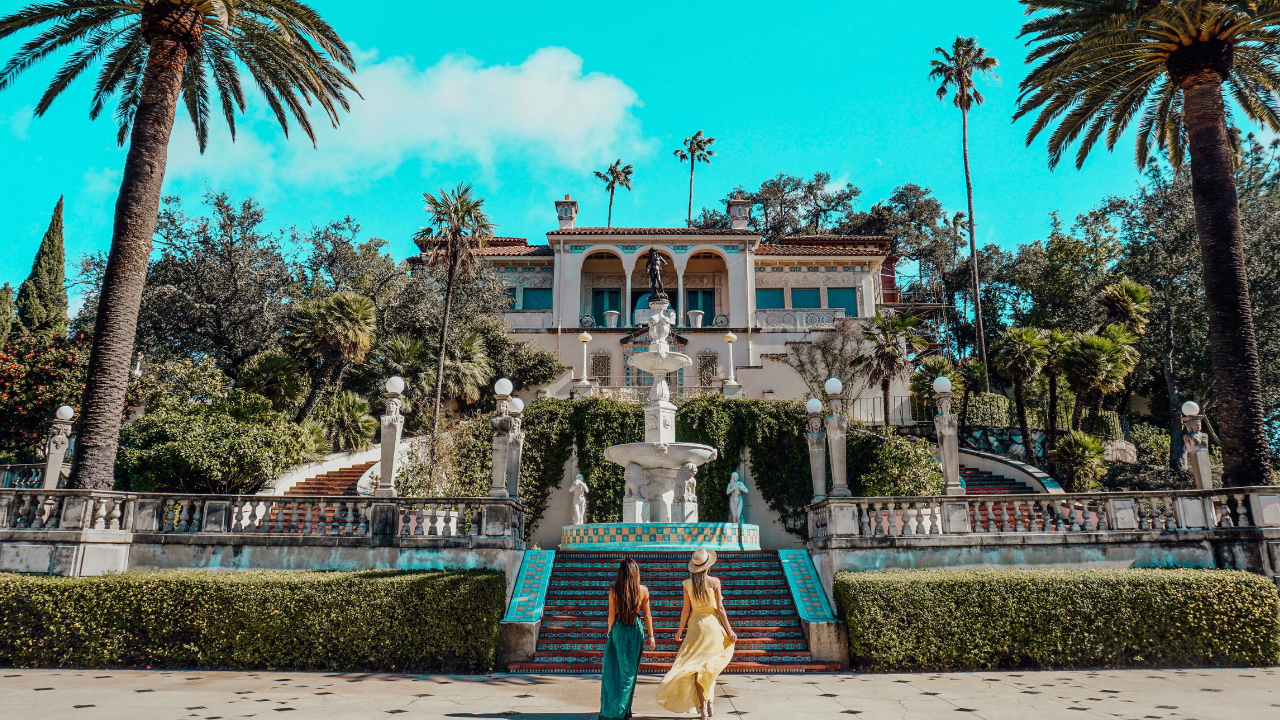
column 660, row 505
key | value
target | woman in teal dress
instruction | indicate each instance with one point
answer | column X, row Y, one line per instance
column 628, row 600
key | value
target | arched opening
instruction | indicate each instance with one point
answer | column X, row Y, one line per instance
column 640, row 287
column 705, row 282
column 603, row 283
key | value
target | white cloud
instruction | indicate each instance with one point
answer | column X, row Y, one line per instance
column 545, row 110
column 19, row 121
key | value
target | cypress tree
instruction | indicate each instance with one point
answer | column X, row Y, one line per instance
column 6, row 314
column 42, row 297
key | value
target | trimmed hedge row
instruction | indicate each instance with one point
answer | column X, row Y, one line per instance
column 951, row 620
column 358, row 621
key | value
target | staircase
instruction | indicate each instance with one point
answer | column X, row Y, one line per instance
column 980, row 482
column 758, row 599
column 338, row 482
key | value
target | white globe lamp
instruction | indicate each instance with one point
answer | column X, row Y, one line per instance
column 942, row 385
column 65, row 412
column 395, row 384
column 1190, row 408
column 517, row 405
column 814, row 406
column 502, row 387
column 833, row 386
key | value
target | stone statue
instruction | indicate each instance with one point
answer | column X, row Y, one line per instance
column 687, row 483
column 579, row 492
column 654, row 268
column 1196, row 442
column 735, row 491
column 635, row 482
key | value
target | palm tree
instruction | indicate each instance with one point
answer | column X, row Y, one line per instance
column 1103, row 63
column 973, row 376
column 1126, row 303
column 1056, row 344
column 956, row 69
column 1019, row 355
column 458, row 226
column 613, row 176
column 347, row 424
column 330, row 334
column 695, row 151
column 1123, row 361
column 893, row 353
column 1088, row 363
column 467, row 369
column 930, row 369
column 1079, row 457
column 155, row 54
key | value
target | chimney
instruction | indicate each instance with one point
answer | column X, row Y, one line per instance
column 739, row 212
column 567, row 212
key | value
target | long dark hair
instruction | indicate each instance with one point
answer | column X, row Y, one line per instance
column 626, row 592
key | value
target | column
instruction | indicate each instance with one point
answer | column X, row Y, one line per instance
column 817, row 450
column 837, row 427
column 677, row 303
column 626, row 298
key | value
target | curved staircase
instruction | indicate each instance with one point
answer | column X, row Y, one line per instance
column 981, row 482
column 337, row 482
column 758, row 599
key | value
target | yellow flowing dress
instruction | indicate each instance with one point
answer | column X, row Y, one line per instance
column 703, row 655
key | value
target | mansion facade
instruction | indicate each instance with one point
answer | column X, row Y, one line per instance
column 584, row 295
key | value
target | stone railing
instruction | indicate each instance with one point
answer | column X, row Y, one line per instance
column 21, row 476
column 640, row 394
column 464, row 521
column 836, row 519
column 798, row 319
column 526, row 319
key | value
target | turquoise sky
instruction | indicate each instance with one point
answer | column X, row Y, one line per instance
column 526, row 99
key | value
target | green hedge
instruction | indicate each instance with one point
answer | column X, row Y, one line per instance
column 950, row 620
column 359, row 621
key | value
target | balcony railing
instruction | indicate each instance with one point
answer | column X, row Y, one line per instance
column 799, row 319
column 903, row 410
column 24, row 477
column 526, row 319
column 615, row 389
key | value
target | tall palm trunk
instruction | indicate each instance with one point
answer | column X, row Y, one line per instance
column 329, row 372
column 964, row 413
column 1028, row 445
column 692, row 161
column 1078, row 408
column 1236, row 369
column 1051, row 421
column 171, row 30
column 444, row 330
column 610, row 209
column 884, row 390
column 980, row 341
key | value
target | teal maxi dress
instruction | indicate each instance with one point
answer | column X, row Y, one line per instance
column 621, row 664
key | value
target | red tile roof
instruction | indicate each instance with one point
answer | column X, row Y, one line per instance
column 652, row 231
column 502, row 247
column 818, row 250
column 848, row 245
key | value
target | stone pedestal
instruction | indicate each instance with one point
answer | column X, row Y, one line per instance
column 54, row 452
column 1196, row 442
column 947, row 425
column 581, row 389
column 684, row 512
column 837, row 428
column 635, row 511
column 731, row 389
column 817, row 457
column 392, row 426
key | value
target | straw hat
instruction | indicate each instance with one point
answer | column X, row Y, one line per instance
column 702, row 561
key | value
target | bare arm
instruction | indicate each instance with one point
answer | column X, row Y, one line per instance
column 609, row 624
column 648, row 620
column 684, row 613
column 722, row 614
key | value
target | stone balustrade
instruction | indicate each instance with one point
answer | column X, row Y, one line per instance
column 22, row 476
column 798, row 319
column 459, row 519
column 904, row 517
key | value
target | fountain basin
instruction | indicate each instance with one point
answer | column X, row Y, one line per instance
column 651, row 456
column 660, row 536
column 655, row 364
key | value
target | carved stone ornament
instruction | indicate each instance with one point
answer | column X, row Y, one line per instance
column 687, row 483
column 633, row 475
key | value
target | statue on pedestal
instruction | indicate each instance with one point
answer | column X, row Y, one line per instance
column 654, row 268
column 1196, row 443
column 579, row 492
column 735, row 491
column 634, row 476
column 687, row 483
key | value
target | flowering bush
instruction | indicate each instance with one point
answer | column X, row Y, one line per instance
column 38, row 374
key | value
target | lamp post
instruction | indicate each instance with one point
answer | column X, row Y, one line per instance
column 502, row 425
column 582, row 388
column 731, row 387
column 947, row 426
column 515, row 447
column 817, row 449
column 392, row 426
column 1196, row 442
column 837, row 429
column 55, row 450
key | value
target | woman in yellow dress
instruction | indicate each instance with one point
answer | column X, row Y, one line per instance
column 690, row 683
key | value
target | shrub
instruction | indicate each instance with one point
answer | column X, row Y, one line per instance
column 1079, row 458
column 38, row 374
column 1108, row 426
column 882, row 463
column 1152, row 443
column 990, row 410
column 950, row 620
column 360, row 621
column 1146, row 478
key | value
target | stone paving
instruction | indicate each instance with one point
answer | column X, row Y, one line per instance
column 1229, row 694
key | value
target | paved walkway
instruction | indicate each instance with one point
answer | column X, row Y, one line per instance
column 131, row 695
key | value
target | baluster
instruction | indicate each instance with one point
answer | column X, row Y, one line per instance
column 37, row 513
column 1170, row 520
column 1242, row 511
column 1073, row 517
column 1002, row 516
column 1040, row 523
column 404, row 518
column 908, row 521
column 1027, row 511
column 197, row 515
column 456, row 514
column 349, row 518
column 1148, row 515
column 877, row 520
column 891, row 520
column 1224, row 509
column 864, row 522
column 1019, row 519
column 237, row 515
column 1104, row 522
column 473, row 515
column 363, row 510
column 432, row 530
column 53, row 510
column 328, row 518
column 22, row 519
column 311, row 516
column 988, row 518
column 183, row 507
column 100, row 514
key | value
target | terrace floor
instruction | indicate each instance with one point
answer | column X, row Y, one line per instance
column 1229, row 694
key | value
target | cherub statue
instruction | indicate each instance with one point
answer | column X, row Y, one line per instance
column 579, row 492
column 735, row 491
column 635, row 480
column 687, row 483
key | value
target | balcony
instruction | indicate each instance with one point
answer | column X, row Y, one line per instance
column 639, row 394
column 798, row 319
column 526, row 319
